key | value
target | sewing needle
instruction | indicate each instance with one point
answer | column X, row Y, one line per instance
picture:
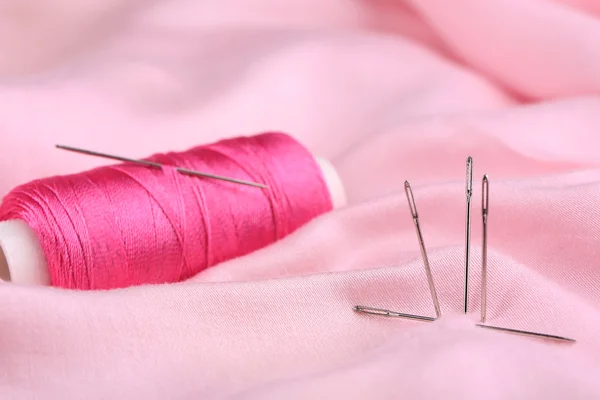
column 485, row 196
column 484, row 213
column 468, row 192
column 387, row 313
column 527, row 333
column 392, row 314
column 147, row 163
column 415, row 216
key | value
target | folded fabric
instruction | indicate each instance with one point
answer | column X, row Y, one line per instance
column 388, row 90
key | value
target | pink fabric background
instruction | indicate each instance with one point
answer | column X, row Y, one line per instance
column 387, row 90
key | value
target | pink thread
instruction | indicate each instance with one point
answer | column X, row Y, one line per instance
column 124, row 225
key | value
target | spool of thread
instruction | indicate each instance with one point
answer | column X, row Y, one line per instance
column 125, row 225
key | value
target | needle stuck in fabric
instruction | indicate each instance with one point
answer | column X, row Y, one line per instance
column 484, row 274
column 387, row 313
column 415, row 216
column 484, row 267
column 147, row 163
column 468, row 192
column 484, row 213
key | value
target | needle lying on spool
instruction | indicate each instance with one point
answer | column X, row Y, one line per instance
column 147, row 163
column 123, row 225
column 484, row 275
column 436, row 304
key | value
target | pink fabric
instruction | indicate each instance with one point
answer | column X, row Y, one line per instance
column 388, row 90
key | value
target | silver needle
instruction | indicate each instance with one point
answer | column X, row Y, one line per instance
column 527, row 333
column 147, row 163
column 485, row 191
column 415, row 216
column 387, row 313
column 468, row 192
column 393, row 314
column 485, row 201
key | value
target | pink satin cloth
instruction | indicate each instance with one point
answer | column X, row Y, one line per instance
column 387, row 90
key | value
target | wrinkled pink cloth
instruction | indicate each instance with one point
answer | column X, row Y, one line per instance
column 388, row 90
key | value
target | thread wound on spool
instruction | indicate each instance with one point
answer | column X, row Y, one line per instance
column 126, row 224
